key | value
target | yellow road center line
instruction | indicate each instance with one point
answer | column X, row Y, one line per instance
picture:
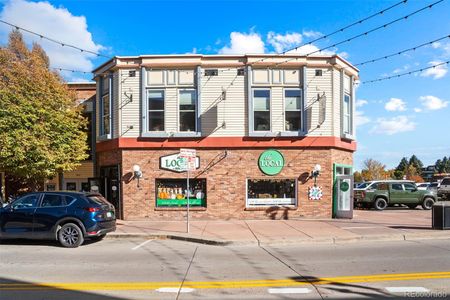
column 221, row 284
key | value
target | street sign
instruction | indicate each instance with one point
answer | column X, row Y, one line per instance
column 188, row 153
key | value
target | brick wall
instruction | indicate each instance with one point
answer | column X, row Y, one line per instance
column 226, row 182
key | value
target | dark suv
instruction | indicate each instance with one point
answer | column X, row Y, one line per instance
column 68, row 217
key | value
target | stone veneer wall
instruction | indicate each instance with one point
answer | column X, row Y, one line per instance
column 226, row 182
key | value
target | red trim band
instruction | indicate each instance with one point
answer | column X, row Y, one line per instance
column 226, row 142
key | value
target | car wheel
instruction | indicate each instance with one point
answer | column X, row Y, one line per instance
column 380, row 204
column 427, row 203
column 412, row 206
column 70, row 235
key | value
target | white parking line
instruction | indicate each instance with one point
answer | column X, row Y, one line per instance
column 407, row 289
column 289, row 291
column 141, row 244
column 174, row 290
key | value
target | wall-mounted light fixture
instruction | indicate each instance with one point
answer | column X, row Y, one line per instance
column 137, row 173
column 316, row 172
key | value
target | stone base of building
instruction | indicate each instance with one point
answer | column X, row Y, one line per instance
column 226, row 173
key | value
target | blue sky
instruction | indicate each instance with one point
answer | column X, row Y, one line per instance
column 399, row 117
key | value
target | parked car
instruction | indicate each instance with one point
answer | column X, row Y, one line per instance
column 68, row 217
column 433, row 187
column 423, row 185
column 443, row 190
column 391, row 192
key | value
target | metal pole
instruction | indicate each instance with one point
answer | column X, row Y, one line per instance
column 187, row 192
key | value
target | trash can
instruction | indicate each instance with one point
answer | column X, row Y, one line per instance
column 440, row 217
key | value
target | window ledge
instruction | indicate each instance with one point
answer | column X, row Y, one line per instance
column 347, row 136
column 264, row 208
column 263, row 134
column 180, row 208
column 186, row 134
column 155, row 134
column 292, row 133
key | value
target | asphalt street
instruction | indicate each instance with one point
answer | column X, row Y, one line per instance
column 166, row 269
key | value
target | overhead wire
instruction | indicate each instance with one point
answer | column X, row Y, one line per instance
column 406, row 73
column 429, row 6
column 61, row 43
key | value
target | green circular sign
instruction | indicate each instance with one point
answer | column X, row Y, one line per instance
column 271, row 162
column 344, row 186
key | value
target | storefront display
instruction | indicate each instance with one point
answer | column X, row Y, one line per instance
column 271, row 192
column 174, row 193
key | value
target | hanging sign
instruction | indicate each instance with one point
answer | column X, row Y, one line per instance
column 271, row 162
column 315, row 193
column 176, row 163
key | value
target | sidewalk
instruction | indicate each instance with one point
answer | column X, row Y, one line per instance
column 390, row 225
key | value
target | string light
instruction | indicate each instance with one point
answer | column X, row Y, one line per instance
column 338, row 30
column 367, row 32
column 62, row 44
column 401, row 52
column 406, row 73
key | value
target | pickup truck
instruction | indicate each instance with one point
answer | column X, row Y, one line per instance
column 443, row 190
column 390, row 192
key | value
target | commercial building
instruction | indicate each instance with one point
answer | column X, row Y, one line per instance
column 259, row 125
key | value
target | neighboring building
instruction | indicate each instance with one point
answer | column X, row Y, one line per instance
column 79, row 179
column 259, row 124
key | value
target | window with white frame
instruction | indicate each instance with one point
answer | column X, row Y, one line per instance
column 188, row 109
column 292, row 109
column 347, row 117
column 271, row 192
column 261, row 110
column 155, row 110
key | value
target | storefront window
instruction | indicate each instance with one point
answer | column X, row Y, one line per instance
column 271, row 192
column 173, row 192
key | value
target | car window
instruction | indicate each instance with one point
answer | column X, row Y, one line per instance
column 363, row 185
column 98, row 200
column 409, row 186
column 26, row 202
column 53, row 200
column 445, row 181
column 422, row 185
column 397, row 186
column 374, row 186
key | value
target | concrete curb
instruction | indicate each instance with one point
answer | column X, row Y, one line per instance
column 312, row 241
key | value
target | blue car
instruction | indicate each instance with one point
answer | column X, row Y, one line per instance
column 68, row 217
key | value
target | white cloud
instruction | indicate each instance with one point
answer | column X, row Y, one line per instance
column 360, row 118
column 284, row 42
column 243, row 43
column 436, row 72
column 312, row 34
column 433, row 103
column 57, row 23
column 417, row 109
column 395, row 104
column 401, row 70
column 393, row 125
column 361, row 102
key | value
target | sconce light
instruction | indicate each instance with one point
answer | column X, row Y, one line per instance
column 137, row 173
column 316, row 172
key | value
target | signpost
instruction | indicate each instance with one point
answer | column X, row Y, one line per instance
column 189, row 157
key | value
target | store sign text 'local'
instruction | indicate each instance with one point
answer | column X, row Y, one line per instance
column 176, row 163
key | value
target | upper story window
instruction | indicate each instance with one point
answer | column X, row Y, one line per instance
column 347, row 121
column 261, row 110
column 293, row 109
column 155, row 106
column 105, row 106
column 188, row 110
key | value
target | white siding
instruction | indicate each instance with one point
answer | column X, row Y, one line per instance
column 115, row 105
column 336, row 103
column 318, row 86
column 230, row 111
column 171, row 110
column 129, row 111
column 277, row 109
